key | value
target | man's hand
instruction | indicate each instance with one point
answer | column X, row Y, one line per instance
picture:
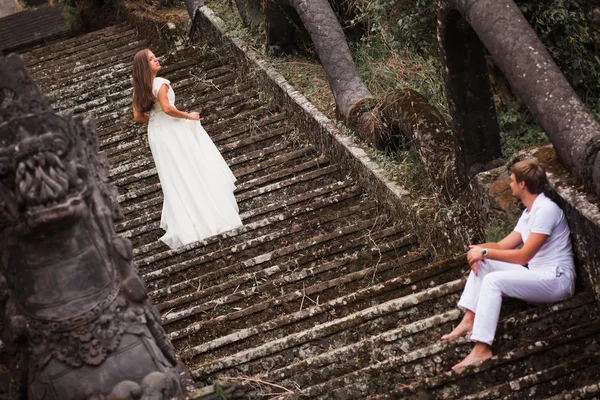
column 474, row 268
column 474, row 255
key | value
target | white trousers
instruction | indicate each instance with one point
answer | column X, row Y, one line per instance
column 483, row 293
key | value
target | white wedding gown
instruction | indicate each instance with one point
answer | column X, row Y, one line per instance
column 196, row 182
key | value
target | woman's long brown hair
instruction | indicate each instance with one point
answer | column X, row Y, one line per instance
column 142, row 82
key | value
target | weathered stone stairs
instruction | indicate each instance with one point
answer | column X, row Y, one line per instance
column 320, row 294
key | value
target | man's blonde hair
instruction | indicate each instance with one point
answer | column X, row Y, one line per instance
column 532, row 173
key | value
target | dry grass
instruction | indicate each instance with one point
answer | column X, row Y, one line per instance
column 308, row 77
column 305, row 74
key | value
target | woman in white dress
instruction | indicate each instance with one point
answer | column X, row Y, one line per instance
column 197, row 184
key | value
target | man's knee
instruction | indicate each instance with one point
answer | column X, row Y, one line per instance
column 493, row 281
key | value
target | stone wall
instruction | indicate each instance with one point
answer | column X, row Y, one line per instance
column 8, row 7
column 165, row 29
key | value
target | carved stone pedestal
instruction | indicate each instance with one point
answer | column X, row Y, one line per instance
column 77, row 313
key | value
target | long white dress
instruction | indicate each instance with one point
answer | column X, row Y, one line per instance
column 196, row 182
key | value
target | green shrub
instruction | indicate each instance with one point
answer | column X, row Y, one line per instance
column 518, row 130
column 416, row 26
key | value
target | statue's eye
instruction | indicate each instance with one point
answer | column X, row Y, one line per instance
column 4, row 169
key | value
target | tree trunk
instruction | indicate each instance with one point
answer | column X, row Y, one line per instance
column 469, row 94
column 349, row 90
column 192, row 6
column 536, row 79
column 412, row 119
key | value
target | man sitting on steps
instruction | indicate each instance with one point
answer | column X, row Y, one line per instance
column 542, row 271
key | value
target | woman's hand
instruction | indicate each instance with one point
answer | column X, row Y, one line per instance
column 193, row 116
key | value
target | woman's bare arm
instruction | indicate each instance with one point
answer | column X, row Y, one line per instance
column 171, row 110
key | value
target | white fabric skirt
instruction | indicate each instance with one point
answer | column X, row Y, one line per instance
column 196, row 181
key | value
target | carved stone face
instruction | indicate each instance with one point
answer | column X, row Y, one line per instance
column 40, row 180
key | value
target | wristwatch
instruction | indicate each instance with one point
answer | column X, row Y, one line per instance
column 484, row 253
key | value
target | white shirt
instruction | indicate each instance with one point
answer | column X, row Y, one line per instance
column 548, row 219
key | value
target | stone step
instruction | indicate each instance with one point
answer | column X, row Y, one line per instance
column 106, row 58
column 147, row 170
column 564, row 376
column 312, row 241
column 120, row 91
column 432, row 366
column 88, row 50
column 250, row 217
column 349, row 251
column 32, row 25
column 320, row 331
column 591, row 391
column 258, row 228
column 537, row 355
column 64, row 47
column 247, row 280
column 258, row 235
column 422, row 363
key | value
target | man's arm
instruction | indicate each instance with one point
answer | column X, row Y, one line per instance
column 511, row 241
column 534, row 243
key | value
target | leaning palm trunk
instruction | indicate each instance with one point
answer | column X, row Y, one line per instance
column 400, row 110
column 351, row 95
column 349, row 90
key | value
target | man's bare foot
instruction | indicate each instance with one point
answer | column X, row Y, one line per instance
column 480, row 352
column 466, row 325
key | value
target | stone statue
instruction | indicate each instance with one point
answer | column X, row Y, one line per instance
column 74, row 304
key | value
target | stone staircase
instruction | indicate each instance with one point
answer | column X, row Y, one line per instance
column 33, row 26
column 320, row 294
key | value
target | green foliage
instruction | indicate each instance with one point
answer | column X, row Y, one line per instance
column 430, row 83
column 219, row 391
column 392, row 52
column 518, row 130
column 496, row 230
column 402, row 23
column 415, row 26
column 71, row 14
